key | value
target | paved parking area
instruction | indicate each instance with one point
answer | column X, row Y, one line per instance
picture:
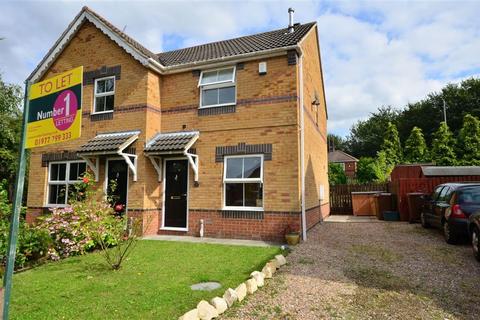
column 371, row 270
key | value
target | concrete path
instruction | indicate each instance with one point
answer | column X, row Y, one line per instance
column 347, row 218
column 235, row 242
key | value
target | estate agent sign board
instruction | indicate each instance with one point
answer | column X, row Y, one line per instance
column 55, row 109
column 52, row 113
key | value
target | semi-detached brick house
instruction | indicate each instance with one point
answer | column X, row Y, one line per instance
column 209, row 135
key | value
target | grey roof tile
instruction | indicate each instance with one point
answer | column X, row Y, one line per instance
column 170, row 142
column 340, row 156
column 227, row 48
column 107, row 142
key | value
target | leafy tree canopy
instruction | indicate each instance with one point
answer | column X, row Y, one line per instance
column 366, row 136
column 10, row 129
column 336, row 174
column 443, row 146
column 469, row 141
column 366, row 170
column 416, row 147
column 391, row 145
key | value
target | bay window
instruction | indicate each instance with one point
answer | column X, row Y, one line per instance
column 243, row 182
column 217, row 88
column 61, row 178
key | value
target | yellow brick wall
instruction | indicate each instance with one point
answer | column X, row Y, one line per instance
column 254, row 122
column 315, row 123
column 92, row 49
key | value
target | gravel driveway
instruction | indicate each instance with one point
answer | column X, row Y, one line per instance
column 370, row 271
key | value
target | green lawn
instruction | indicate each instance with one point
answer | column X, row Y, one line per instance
column 154, row 283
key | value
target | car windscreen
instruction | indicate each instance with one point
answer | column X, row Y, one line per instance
column 470, row 195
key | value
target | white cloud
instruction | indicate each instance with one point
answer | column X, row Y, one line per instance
column 374, row 52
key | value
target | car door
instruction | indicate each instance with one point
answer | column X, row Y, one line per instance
column 429, row 206
column 441, row 205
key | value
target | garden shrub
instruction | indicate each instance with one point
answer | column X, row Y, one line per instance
column 32, row 243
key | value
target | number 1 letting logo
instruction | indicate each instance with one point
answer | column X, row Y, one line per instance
column 55, row 109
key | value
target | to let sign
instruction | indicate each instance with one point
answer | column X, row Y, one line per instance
column 55, row 109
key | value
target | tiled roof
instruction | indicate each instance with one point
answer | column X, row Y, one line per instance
column 171, row 142
column 261, row 42
column 123, row 35
column 340, row 156
column 228, row 48
column 109, row 142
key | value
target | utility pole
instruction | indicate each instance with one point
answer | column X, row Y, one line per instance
column 444, row 111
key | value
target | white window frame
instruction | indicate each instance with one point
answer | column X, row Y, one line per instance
column 242, row 180
column 103, row 94
column 218, row 84
column 67, row 181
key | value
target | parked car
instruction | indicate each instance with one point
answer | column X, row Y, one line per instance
column 474, row 229
column 449, row 208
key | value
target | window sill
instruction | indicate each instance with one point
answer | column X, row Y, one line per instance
column 101, row 112
column 173, row 229
column 48, row 206
column 218, row 105
column 256, row 209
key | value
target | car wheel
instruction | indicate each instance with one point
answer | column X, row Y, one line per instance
column 476, row 243
column 423, row 221
column 447, row 233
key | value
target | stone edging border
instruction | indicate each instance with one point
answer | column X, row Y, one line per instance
column 217, row 306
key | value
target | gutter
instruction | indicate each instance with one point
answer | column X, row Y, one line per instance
column 302, row 148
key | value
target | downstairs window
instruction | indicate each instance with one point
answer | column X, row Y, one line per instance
column 243, row 182
column 61, row 178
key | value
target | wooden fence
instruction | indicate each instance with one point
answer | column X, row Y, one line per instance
column 341, row 195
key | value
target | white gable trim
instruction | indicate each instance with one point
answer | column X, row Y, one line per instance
column 68, row 35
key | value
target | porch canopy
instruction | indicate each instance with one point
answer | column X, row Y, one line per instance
column 173, row 143
column 111, row 143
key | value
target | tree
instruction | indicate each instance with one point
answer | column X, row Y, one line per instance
column 10, row 129
column 382, row 167
column 366, row 170
column 469, row 141
column 416, row 147
column 391, row 145
column 336, row 174
column 336, row 141
column 443, row 146
column 366, row 136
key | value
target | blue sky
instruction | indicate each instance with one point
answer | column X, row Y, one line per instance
column 374, row 53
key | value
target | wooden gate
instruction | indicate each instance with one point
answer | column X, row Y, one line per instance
column 341, row 195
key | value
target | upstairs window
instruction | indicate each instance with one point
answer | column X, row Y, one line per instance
column 243, row 183
column 217, row 88
column 61, row 178
column 104, row 95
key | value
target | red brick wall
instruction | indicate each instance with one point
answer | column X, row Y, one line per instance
column 316, row 214
column 270, row 228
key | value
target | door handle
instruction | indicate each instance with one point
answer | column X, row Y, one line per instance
column 175, row 197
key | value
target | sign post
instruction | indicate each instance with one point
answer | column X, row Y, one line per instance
column 52, row 113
